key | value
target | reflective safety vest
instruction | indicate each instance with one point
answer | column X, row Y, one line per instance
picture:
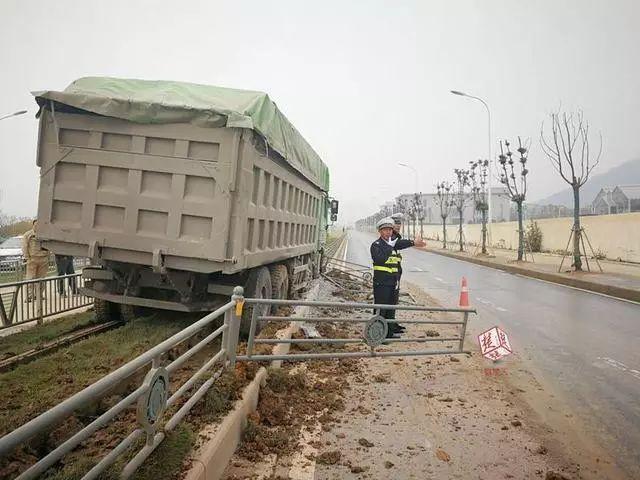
column 392, row 265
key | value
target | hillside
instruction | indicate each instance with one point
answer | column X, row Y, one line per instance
column 625, row 174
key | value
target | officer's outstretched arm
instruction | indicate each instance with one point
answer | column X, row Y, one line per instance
column 401, row 244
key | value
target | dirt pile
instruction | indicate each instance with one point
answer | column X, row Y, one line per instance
column 288, row 401
column 299, row 396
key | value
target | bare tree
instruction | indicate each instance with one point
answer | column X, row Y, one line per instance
column 460, row 199
column 419, row 212
column 478, row 176
column 445, row 202
column 516, row 185
column 568, row 148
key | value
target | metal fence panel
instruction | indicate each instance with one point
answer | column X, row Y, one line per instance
column 34, row 300
column 151, row 397
column 373, row 337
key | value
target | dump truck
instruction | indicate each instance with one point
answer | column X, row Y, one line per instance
column 178, row 192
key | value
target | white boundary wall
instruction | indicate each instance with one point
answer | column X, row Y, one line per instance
column 616, row 236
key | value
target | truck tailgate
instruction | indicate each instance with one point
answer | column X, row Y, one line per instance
column 130, row 189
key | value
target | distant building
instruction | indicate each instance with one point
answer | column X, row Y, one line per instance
column 627, row 198
column 620, row 199
column 500, row 205
column 603, row 204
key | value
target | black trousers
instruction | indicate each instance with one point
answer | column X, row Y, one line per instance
column 64, row 266
column 386, row 294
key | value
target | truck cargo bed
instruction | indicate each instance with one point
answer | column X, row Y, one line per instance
column 169, row 196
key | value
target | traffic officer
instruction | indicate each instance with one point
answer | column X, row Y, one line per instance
column 386, row 266
column 37, row 259
column 397, row 226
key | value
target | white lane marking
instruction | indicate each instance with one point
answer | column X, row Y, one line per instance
column 611, row 362
column 439, row 279
column 490, row 303
column 417, row 269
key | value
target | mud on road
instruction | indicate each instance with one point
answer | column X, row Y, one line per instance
column 434, row 417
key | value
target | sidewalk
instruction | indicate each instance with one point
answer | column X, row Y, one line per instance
column 621, row 280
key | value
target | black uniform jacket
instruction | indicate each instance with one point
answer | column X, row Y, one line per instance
column 381, row 251
column 396, row 235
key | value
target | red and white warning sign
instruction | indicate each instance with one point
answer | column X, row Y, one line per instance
column 494, row 344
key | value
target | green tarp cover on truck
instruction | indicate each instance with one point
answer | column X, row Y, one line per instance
column 151, row 101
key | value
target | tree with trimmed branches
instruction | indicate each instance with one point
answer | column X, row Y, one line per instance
column 444, row 199
column 478, row 176
column 419, row 212
column 516, row 183
column 460, row 199
column 403, row 207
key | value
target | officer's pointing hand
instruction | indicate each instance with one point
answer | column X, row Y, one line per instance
column 418, row 242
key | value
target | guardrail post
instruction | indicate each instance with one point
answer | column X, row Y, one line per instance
column 19, row 270
column 39, row 302
column 463, row 332
column 233, row 317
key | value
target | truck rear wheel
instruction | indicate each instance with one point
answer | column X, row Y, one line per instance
column 105, row 311
column 279, row 284
column 127, row 312
column 258, row 286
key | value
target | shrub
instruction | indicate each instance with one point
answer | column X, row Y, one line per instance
column 533, row 236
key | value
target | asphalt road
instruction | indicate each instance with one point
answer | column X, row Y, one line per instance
column 585, row 345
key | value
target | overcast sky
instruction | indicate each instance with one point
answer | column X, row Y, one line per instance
column 367, row 83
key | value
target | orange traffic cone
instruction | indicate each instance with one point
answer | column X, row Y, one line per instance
column 464, row 293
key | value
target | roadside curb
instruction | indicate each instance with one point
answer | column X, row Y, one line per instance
column 210, row 460
column 611, row 290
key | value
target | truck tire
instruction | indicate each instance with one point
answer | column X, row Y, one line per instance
column 127, row 312
column 315, row 266
column 279, row 282
column 105, row 310
column 258, row 286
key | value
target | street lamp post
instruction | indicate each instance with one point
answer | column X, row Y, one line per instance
column 462, row 94
column 15, row 114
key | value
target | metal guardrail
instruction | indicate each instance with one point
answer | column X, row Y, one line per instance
column 354, row 270
column 373, row 337
column 331, row 247
column 152, row 396
column 33, row 300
